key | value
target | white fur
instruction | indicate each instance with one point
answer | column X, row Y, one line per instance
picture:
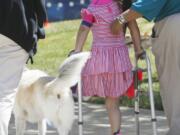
column 42, row 97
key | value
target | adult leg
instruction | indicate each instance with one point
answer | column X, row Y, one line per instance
column 12, row 61
column 167, row 56
column 114, row 114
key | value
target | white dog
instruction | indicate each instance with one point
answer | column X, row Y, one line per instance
column 42, row 97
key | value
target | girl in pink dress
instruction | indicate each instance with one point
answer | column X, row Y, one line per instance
column 108, row 73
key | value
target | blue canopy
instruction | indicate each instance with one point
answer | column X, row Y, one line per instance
column 65, row 9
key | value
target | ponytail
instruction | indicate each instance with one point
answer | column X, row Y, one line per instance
column 124, row 4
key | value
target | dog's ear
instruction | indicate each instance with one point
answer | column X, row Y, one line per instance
column 70, row 70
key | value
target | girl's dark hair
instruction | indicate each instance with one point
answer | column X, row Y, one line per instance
column 124, row 4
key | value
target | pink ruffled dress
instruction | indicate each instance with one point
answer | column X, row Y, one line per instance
column 109, row 71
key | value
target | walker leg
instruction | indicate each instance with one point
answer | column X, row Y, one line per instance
column 151, row 97
column 137, row 113
column 136, row 106
column 80, row 118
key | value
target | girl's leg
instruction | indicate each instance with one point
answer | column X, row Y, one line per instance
column 112, row 106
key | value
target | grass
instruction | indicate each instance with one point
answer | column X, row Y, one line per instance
column 60, row 39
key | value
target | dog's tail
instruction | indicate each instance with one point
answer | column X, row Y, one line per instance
column 70, row 70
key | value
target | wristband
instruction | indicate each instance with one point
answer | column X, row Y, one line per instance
column 121, row 19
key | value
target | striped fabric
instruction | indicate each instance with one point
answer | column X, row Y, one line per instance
column 108, row 71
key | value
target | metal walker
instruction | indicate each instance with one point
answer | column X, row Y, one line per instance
column 137, row 97
column 151, row 95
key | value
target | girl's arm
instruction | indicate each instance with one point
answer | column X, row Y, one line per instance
column 136, row 38
column 81, row 38
column 87, row 22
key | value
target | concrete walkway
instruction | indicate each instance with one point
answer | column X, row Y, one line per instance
column 96, row 122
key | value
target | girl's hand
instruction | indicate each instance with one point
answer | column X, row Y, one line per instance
column 72, row 52
column 140, row 54
column 116, row 27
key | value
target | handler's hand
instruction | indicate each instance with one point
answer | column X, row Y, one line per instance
column 116, row 27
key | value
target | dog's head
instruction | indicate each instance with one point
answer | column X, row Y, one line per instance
column 56, row 90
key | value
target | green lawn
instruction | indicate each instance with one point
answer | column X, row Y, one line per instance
column 60, row 39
